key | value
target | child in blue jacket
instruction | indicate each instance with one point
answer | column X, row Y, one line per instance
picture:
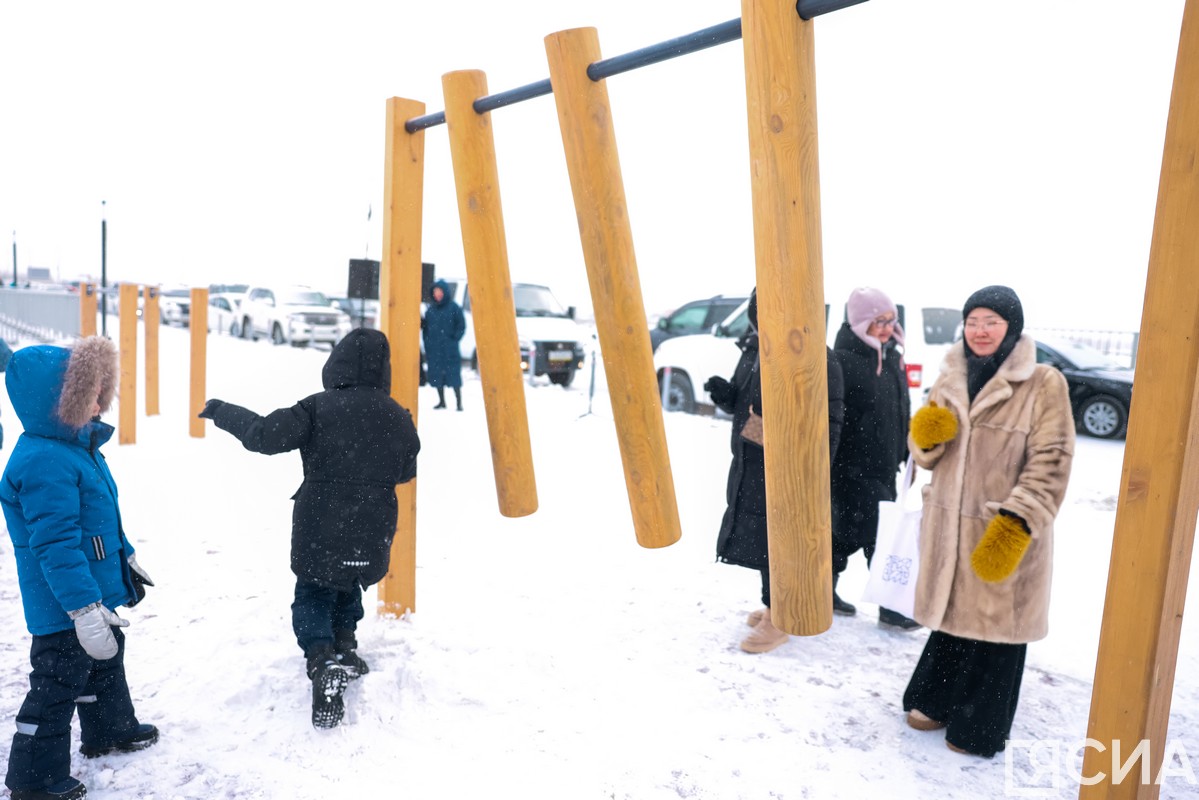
column 74, row 565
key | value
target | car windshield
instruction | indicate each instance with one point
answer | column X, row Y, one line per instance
column 302, row 297
column 1084, row 356
column 535, row 301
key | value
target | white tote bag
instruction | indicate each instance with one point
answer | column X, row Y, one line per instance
column 896, row 561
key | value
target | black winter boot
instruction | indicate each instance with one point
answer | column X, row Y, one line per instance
column 66, row 789
column 458, row 396
column 329, row 680
column 840, row 606
column 345, row 647
column 440, row 398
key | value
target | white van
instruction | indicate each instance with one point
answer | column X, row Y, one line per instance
column 551, row 342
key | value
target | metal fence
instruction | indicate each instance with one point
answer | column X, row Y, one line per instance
column 41, row 314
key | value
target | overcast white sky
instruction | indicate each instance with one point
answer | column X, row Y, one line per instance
column 962, row 143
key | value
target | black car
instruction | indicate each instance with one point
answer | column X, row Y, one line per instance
column 1100, row 389
column 698, row 316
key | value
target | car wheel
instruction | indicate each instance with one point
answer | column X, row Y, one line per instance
column 563, row 379
column 277, row 334
column 1103, row 416
column 679, row 396
column 247, row 329
column 234, row 330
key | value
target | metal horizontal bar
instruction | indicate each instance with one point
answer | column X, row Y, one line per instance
column 700, row 40
column 605, row 68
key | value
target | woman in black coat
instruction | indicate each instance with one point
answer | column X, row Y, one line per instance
column 443, row 327
column 356, row 444
column 874, row 436
column 742, row 539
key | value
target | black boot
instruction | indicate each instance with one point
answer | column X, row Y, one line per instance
column 458, row 396
column 893, row 619
column 66, row 789
column 840, row 606
column 345, row 647
column 440, row 398
column 329, row 680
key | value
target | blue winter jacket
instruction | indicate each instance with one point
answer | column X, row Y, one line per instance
column 60, row 501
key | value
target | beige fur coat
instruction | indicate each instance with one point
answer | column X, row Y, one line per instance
column 1013, row 450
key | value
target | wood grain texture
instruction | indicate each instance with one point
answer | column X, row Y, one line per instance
column 780, row 78
column 150, row 322
column 198, row 335
column 399, row 307
column 1159, row 487
column 127, row 419
column 589, row 139
column 485, row 247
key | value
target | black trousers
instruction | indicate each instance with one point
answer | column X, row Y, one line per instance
column 319, row 614
column 64, row 678
column 971, row 686
column 855, row 527
column 766, row 586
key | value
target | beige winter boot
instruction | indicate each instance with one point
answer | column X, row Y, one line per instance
column 755, row 617
column 765, row 637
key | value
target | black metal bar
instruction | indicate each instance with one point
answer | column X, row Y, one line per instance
column 427, row 121
column 605, row 68
column 521, row 93
column 814, row 8
column 700, row 40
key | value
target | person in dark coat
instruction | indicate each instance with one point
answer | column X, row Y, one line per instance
column 742, row 538
column 356, row 444
column 874, row 437
column 443, row 327
column 75, row 566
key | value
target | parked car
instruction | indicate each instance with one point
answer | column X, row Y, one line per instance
column 363, row 313
column 929, row 332
column 551, row 342
column 174, row 305
column 297, row 315
column 698, row 316
column 1100, row 387
column 224, row 313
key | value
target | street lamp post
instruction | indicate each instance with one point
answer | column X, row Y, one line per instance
column 103, row 269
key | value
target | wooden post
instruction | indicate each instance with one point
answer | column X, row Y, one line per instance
column 87, row 309
column 399, row 307
column 198, row 331
column 585, row 118
column 780, row 78
column 1159, row 486
column 127, row 421
column 150, row 322
column 472, row 149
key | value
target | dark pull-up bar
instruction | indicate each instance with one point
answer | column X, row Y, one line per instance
column 605, row 68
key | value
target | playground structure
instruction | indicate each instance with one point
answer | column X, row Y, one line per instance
column 1159, row 493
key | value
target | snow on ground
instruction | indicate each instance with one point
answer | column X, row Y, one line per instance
column 550, row 656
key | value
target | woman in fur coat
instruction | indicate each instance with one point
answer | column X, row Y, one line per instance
column 998, row 435
column 74, row 564
column 742, row 539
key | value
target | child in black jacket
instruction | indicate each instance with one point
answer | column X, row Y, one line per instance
column 356, row 443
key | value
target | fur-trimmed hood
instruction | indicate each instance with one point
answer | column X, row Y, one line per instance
column 53, row 388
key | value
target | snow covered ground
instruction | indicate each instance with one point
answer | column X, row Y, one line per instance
column 550, row 656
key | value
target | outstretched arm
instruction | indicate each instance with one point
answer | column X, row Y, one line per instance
column 278, row 432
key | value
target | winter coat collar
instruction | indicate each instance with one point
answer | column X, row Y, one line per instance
column 1017, row 368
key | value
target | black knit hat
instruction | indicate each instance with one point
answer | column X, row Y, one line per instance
column 1003, row 301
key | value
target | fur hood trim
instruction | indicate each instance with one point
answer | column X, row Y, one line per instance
column 92, row 372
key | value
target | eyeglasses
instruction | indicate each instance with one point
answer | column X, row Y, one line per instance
column 988, row 325
column 885, row 322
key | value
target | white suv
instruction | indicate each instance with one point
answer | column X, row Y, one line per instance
column 294, row 314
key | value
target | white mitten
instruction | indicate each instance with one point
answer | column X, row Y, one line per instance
column 93, row 626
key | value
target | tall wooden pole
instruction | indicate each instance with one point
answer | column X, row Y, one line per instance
column 1159, row 487
column 87, row 309
column 127, row 420
column 780, row 77
column 198, row 384
column 150, row 322
column 585, row 118
column 476, row 176
column 399, row 306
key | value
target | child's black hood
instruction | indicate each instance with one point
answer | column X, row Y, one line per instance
column 362, row 358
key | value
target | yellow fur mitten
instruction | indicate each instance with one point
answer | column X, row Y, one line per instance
column 999, row 551
column 933, row 425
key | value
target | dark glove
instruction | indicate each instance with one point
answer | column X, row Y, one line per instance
column 209, row 412
column 720, row 390
column 140, row 580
